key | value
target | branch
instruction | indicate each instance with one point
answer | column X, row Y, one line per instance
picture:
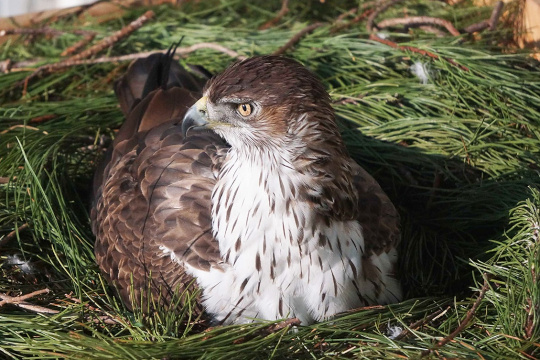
column 416, row 50
column 465, row 322
column 43, row 30
column 20, row 302
column 420, row 323
column 106, row 318
column 371, row 19
column 420, row 20
column 107, row 59
column 282, row 12
column 6, row 239
column 433, row 29
column 78, row 45
column 269, row 330
column 495, row 15
column 108, row 41
column 296, row 38
column 356, row 19
column 120, row 34
column 280, row 325
column 491, row 23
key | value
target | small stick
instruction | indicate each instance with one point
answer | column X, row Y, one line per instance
column 347, row 13
column 107, row 319
column 296, row 38
column 356, row 19
column 41, row 119
column 484, row 24
column 39, row 31
column 417, row 20
column 120, row 34
column 108, row 41
column 5, row 240
column 78, row 45
column 420, row 323
column 107, row 59
column 37, row 309
column 495, row 15
column 433, row 29
column 282, row 12
column 20, row 302
column 416, row 50
column 465, row 321
column 371, row 19
column 270, row 329
column 280, row 325
column 354, row 10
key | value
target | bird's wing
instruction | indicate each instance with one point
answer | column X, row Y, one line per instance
column 152, row 208
column 376, row 213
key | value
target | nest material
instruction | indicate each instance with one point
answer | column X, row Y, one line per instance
column 448, row 125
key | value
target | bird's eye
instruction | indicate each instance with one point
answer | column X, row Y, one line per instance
column 244, row 109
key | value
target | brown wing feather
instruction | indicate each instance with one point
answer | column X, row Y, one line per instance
column 153, row 193
column 376, row 213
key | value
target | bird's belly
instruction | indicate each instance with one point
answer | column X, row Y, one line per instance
column 310, row 279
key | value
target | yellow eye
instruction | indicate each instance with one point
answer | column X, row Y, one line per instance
column 244, row 109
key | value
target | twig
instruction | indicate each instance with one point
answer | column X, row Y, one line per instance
column 27, row 127
column 465, row 321
column 282, row 12
column 419, row 20
column 371, row 19
column 108, row 41
column 433, row 29
column 41, row 31
column 416, row 50
column 213, row 46
column 491, row 23
column 296, row 38
column 420, row 323
column 281, row 325
column 529, row 322
column 495, row 15
column 41, row 119
column 107, row 319
column 371, row 27
column 129, row 57
column 269, row 330
column 20, row 302
column 78, row 45
column 347, row 13
column 120, row 34
column 6, row 239
column 356, row 19
column 37, row 309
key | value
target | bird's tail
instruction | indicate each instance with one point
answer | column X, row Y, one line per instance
column 157, row 71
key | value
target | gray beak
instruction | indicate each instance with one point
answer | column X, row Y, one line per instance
column 196, row 117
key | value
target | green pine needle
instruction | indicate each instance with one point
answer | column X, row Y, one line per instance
column 457, row 153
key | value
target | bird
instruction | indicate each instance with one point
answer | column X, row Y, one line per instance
column 239, row 187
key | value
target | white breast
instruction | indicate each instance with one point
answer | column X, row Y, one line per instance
column 277, row 262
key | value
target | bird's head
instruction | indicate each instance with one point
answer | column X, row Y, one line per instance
column 263, row 100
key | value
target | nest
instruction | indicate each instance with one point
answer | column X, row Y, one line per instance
column 440, row 107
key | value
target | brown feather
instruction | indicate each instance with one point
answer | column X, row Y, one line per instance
column 150, row 175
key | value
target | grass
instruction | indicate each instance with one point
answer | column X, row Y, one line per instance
column 458, row 156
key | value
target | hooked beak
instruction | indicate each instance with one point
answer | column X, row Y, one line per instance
column 196, row 117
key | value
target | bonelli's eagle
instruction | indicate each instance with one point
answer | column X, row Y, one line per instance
column 242, row 189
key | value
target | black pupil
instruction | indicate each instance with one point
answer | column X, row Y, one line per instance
column 244, row 107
